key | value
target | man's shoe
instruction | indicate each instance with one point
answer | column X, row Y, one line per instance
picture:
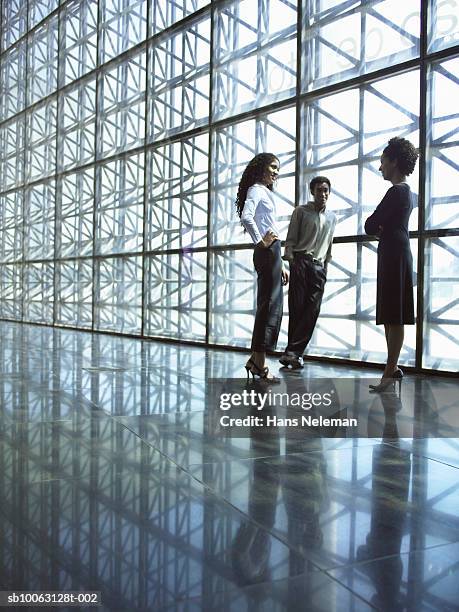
column 293, row 361
column 285, row 360
column 297, row 363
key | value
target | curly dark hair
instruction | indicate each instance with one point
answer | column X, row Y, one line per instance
column 404, row 152
column 254, row 173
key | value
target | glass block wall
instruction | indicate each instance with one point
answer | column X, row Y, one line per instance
column 125, row 126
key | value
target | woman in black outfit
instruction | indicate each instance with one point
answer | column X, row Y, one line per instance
column 394, row 297
column 256, row 207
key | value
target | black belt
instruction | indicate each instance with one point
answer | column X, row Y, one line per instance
column 318, row 262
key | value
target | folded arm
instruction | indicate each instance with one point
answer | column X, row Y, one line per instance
column 380, row 216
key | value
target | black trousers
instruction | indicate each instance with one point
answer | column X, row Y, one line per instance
column 268, row 265
column 307, row 284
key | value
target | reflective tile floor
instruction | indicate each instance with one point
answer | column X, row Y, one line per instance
column 112, row 479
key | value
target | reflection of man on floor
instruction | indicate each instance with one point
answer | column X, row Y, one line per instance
column 301, row 478
column 308, row 249
column 299, row 475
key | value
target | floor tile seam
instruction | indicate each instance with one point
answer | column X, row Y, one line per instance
column 242, row 459
column 235, row 459
column 407, row 553
column 76, row 399
column 41, row 422
column 265, row 457
column 414, row 453
column 241, row 589
column 403, row 440
column 418, row 454
column 64, row 479
column 92, row 409
column 436, row 459
column 101, row 415
column 349, row 590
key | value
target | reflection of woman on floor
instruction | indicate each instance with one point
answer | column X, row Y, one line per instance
column 391, row 471
column 256, row 207
column 394, row 297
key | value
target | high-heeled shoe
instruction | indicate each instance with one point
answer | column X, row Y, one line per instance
column 387, row 381
column 252, row 368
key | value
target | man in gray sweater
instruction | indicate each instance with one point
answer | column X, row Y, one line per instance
column 308, row 249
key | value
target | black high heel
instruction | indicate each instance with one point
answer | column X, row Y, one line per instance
column 398, row 376
column 252, row 368
column 387, row 381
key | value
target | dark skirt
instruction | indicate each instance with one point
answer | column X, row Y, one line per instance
column 394, row 292
column 270, row 299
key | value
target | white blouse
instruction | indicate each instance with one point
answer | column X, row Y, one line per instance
column 259, row 213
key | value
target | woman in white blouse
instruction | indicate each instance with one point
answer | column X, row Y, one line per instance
column 256, row 207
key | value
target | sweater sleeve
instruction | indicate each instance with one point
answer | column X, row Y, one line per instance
column 248, row 214
column 382, row 213
column 328, row 256
column 292, row 234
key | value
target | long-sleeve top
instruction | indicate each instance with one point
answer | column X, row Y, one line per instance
column 259, row 212
column 310, row 232
column 392, row 214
